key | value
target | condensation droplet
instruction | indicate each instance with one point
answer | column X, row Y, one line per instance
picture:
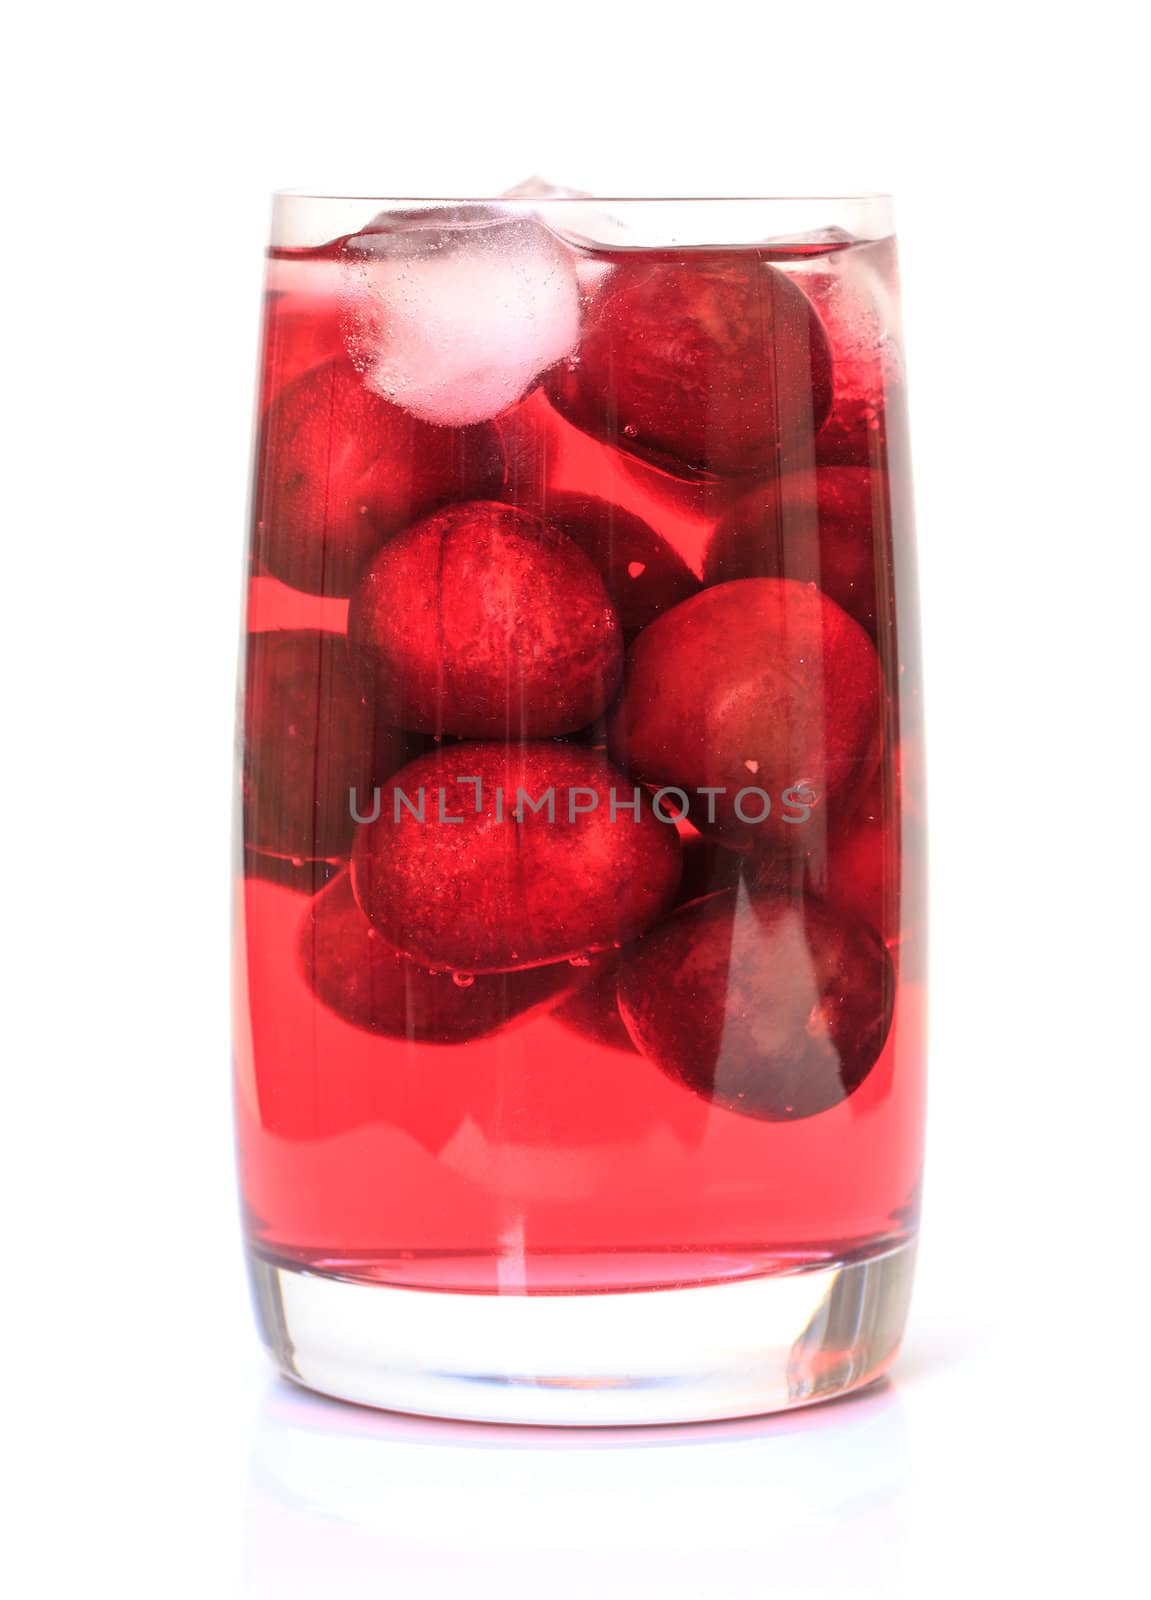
column 463, row 980
column 630, row 430
column 636, row 569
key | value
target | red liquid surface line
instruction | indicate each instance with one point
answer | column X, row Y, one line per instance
column 519, row 1141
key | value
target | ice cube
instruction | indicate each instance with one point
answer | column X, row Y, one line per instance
column 453, row 314
column 537, row 188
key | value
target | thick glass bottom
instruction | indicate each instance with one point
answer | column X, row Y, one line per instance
column 728, row 1349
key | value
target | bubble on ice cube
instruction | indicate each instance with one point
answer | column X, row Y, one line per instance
column 454, row 314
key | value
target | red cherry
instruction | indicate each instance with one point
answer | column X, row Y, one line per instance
column 463, row 885
column 852, row 864
column 310, row 736
column 855, row 435
column 644, row 575
column 829, row 527
column 300, row 332
column 771, row 1007
column 593, row 1013
column 762, row 688
column 357, row 974
column 483, row 621
column 339, row 468
column 712, row 363
column 862, row 873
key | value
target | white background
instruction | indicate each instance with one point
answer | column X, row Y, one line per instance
column 154, row 1452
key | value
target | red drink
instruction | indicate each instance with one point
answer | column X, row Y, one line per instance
column 580, row 924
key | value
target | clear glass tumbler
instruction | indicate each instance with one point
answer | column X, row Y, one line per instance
column 580, row 908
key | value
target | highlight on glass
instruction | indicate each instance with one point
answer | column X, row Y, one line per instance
column 579, row 889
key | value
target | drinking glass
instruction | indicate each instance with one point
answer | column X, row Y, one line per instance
column 579, row 946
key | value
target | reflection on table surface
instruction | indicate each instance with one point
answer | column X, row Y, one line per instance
column 350, row 1502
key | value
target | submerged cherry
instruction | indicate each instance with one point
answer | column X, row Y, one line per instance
column 643, row 573
column 486, row 858
column 712, row 362
column 484, row 621
column 311, row 738
column 758, row 699
column 339, row 468
column 357, row 974
column 769, row 1006
column 828, row 526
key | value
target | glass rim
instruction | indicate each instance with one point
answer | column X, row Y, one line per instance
column 304, row 219
column 311, row 193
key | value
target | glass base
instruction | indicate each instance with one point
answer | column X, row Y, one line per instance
column 591, row 1360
